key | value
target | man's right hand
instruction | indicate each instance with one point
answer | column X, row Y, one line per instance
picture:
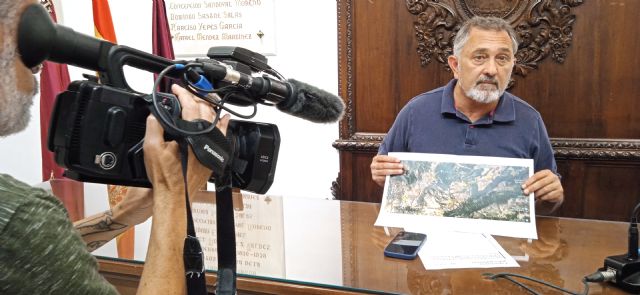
column 383, row 165
column 195, row 108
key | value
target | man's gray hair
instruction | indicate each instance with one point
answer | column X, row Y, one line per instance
column 9, row 23
column 483, row 23
column 8, row 10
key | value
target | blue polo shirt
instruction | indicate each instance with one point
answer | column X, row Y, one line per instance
column 430, row 123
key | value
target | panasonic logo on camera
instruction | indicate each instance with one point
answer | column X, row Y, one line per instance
column 212, row 152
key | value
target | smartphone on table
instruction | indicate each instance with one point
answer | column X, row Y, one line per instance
column 405, row 245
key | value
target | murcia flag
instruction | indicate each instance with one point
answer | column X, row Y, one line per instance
column 54, row 79
column 162, row 45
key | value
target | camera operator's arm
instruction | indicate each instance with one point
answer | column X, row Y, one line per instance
column 164, row 267
column 164, row 270
column 98, row 229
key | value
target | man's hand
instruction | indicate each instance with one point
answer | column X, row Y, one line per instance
column 547, row 190
column 194, row 108
column 161, row 159
column 383, row 165
column 163, row 272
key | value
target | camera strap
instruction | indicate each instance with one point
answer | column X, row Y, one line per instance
column 211, row 149
column 225, row 231
column 192, row 251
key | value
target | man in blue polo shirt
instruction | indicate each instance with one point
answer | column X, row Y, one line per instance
column 473, row 115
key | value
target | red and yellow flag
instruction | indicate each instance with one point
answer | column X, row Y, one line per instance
column 103, row 28
column 102, row 23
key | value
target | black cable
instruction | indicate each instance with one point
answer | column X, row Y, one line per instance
column 274, row 73
column 507, row 276
column 226, row 91
column 169, row 122
column 225, row 98
column 221, row 102
column 521, row 285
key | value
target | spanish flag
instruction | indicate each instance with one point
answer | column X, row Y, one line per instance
column 102, row 23
column 103, row 28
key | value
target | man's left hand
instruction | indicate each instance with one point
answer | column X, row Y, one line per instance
column 546, row 187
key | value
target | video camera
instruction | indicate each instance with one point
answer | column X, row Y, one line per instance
column 97, row 129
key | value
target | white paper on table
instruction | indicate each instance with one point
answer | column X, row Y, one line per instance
column 445, row 250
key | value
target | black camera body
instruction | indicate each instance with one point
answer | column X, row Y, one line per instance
column 97, row 132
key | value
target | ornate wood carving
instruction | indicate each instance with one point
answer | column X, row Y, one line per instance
column 336, row 189
column 596, row 149
column 348, row 33
column 367, row 142
column 544, row 27
column 353, row 145
column 564, row 148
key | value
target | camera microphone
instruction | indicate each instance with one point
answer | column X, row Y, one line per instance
column 293, row 97
column 311, row 103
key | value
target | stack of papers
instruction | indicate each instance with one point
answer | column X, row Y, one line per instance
column 445, row 250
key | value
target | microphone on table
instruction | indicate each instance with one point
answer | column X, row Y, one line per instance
column 623, row 270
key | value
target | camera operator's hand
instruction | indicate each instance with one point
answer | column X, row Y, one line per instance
column 161, row 159
column 192, row 108
column 164, row 267
column 195, row 108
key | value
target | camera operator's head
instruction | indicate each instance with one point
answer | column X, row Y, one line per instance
column 17, row 82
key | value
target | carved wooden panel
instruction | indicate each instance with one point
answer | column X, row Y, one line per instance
column 600, row 189
column 543, row 27
column 585, row 87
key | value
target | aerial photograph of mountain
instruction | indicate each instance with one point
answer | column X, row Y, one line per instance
column 447, row 189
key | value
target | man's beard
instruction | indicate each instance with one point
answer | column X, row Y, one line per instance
column 15, row 105
column 485, row 95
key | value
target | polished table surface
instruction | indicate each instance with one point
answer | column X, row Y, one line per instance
column 326, row 246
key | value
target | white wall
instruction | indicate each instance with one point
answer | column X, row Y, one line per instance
column 306, row 50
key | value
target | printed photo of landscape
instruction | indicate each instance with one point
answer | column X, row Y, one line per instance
column 447, row 189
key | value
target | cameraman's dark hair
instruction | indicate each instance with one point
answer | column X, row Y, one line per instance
column 483, row 23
